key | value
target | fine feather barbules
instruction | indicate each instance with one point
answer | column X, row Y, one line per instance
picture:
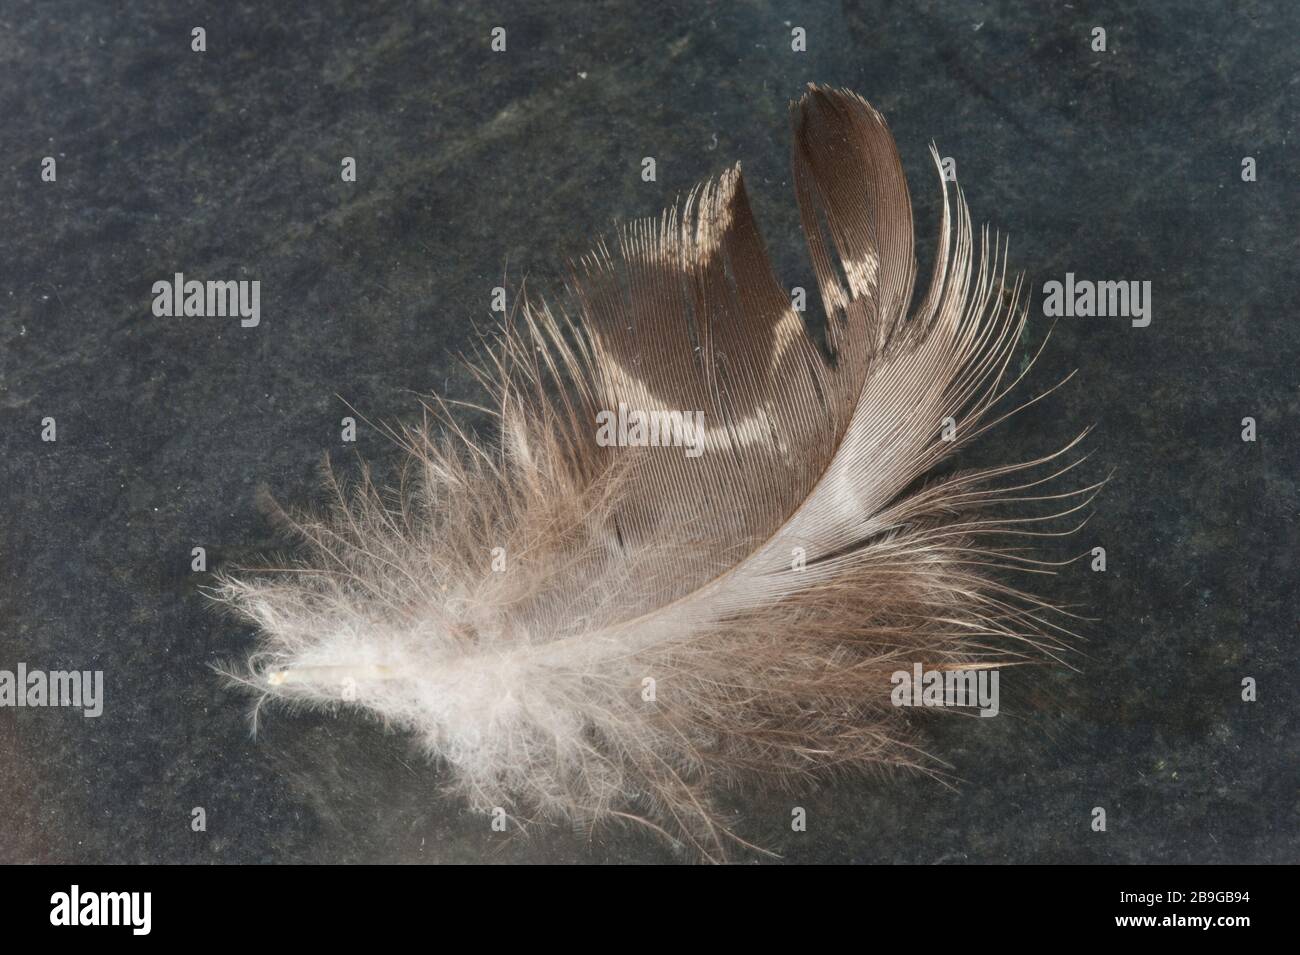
column 699, row 547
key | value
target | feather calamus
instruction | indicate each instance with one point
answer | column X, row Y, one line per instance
column 594, row 630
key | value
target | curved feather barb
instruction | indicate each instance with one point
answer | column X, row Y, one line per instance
column 701, row 546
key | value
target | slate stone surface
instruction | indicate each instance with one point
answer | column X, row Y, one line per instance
column 473, row 166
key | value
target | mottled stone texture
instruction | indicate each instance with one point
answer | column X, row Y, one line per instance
column 1115, row 165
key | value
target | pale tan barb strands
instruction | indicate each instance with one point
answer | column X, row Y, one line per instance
column 510, row 603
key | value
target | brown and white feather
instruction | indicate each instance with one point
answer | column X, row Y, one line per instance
column 628, row 563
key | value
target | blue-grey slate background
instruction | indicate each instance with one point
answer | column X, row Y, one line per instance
column 474, row 166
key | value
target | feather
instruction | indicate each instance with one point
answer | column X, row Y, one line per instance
column 596, row 626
